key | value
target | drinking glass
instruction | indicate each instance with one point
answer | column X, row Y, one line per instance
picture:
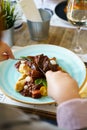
column 77, row 15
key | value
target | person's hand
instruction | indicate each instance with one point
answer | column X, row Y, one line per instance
column 61, row 86
column 5, row 52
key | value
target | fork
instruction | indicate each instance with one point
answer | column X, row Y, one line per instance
column 30, row 60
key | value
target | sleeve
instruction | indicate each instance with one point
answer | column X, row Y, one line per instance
column 72, row 114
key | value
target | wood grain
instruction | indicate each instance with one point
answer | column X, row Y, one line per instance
column 64, row 37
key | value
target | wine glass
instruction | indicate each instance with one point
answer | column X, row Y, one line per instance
column 77, row 15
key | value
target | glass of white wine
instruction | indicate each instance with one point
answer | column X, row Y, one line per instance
column 77, row 15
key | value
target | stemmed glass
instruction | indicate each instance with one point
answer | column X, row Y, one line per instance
column 77, row 15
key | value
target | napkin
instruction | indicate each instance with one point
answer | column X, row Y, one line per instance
column 30, row 10
column 83, row 90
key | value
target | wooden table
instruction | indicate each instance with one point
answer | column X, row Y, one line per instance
column 64, row 37
column 57, row 36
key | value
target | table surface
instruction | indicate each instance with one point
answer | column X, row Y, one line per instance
column 60, row 36
column 57, row 36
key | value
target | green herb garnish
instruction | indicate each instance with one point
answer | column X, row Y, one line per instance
column 41, row 81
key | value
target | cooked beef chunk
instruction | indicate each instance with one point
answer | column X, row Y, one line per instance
column 17, row 64
column 44, row 63
column 33, row 90
column 26, row 92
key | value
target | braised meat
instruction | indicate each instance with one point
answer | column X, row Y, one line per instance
column 33, row 69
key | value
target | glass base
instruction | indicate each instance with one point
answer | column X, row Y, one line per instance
column 77, row 50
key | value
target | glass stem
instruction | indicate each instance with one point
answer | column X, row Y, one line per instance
column 77, row 37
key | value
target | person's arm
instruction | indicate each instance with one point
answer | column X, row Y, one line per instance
column 72, row 110
column 72, row 114
column 5, row 52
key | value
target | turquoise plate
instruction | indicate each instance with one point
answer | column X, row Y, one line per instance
column 65, row 58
